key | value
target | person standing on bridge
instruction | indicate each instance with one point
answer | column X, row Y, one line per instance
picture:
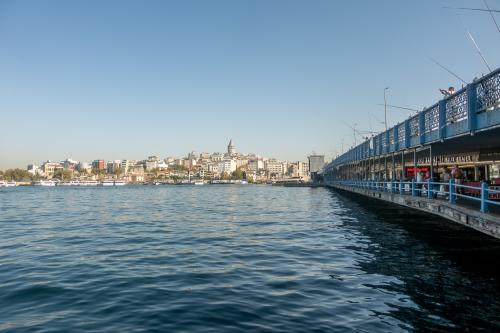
column 419, row 179
column 446, row 179
column 449, row 92
column 458, row 175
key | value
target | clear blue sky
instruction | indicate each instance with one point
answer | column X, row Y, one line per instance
column 127, row 79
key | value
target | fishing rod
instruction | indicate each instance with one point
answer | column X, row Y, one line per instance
column 475, row 9
column 476, row 46
column 449, row 71
column 491, row 14
column 357, row 133
column 400, row 107
column 488, row 10
column 478, row 50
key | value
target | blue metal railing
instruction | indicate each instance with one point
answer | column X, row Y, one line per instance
column 473, row 108
column 450, row 191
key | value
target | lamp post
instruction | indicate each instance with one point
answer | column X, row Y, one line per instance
column 385, row 108
column 354, row 132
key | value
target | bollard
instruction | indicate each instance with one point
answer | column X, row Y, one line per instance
column 484, row 197
column 429, row 190
column 451, row 189
column 413, row 190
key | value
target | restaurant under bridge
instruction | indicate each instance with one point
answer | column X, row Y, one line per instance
column 448, row 152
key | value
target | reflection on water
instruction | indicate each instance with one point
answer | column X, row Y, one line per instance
column 234, row 258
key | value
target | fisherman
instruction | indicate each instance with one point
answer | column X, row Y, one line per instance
column 446, row 179
column 458, row 175
column 449, row 92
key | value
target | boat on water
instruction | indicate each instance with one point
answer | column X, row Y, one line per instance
column 111, row 182
column 88, row 183
column 199, row 182
column 79, row 183
column 185, row 182
column 44, row 183
column 4, row 183
column 70, row 183
column 108, row 183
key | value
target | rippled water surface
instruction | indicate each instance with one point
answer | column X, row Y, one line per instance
column 236, row 258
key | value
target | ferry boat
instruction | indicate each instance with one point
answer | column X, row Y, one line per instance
column 89, row 183
column 44, row 183
column 185, row 182
column 111, row 182
column 4, row 183
column 70, row 183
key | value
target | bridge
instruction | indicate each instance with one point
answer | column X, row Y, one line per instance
column 460, row 132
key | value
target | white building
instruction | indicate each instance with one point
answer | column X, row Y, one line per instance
column 50, row 167
column 298, row 169
column 241, row 162
column 84, row 167
column 217, row 157
column 255, row 164
column 228, row 166
column 273, row 166
column 34, row 170
column 316, row 162
column 125, row 165
column 162, row 165
column 152, row 162
column 113, row 166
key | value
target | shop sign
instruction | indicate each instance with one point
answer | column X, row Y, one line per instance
column 490, row 156
column 451, row 159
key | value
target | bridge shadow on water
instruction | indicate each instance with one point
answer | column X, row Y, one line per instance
column 449, row 271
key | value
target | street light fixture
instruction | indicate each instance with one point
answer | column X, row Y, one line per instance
column 385, row 108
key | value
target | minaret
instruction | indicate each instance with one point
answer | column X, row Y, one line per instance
column 231, row 149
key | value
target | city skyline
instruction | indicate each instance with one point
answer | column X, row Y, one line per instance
column 164, row 156
column 228, row 165
column 168, row 78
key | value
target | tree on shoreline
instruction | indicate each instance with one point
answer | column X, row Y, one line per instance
column 63, row 174
column 16, row 175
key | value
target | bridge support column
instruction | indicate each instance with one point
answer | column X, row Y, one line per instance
column 430, row 162
column 484, row 197
column 415, row 163
column 393, row 172
column 471, row 108
column 403, row 164
column 385, row 168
